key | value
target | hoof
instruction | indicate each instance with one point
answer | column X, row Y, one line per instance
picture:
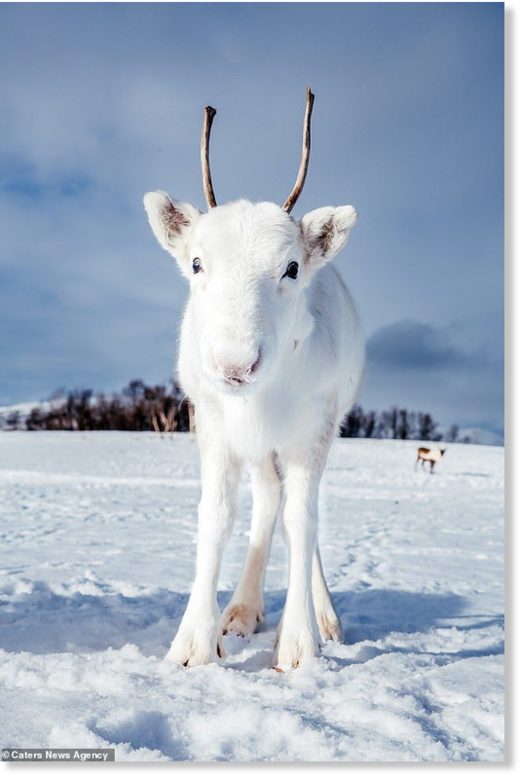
column 241, row 620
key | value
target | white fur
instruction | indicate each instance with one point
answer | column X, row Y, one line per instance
column 271, row 365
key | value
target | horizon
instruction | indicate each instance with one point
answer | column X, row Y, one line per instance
column 464, row 435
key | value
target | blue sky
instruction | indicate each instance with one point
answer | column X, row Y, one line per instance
column 101, row 103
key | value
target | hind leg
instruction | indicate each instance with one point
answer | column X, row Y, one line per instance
column 246, row 608
column 328, row 621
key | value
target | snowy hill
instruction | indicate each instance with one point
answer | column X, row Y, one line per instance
column 481, row 436
column 98, row 532
column 23, row 409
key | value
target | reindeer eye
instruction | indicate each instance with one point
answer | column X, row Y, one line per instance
column 291, row 271
column 196, row 265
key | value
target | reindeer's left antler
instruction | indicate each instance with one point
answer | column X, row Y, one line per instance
column 209, row 115
column 292, row 199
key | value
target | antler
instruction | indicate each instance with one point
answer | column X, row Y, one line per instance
column 290, row 202
column 292, row 199
column 209, row 115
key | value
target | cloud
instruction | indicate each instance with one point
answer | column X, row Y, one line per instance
column 413, row 345
column 435, row 369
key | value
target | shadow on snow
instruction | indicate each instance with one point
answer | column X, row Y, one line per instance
column 44, row 621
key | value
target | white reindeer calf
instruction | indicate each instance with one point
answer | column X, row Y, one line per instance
column 271, row 355
column 433, row 456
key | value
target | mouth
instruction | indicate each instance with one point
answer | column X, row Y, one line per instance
column 234, row 388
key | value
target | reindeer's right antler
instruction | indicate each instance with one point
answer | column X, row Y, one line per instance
column 209, row 115
column 292, row 199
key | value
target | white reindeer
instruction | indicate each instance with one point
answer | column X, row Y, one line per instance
column 271, row 355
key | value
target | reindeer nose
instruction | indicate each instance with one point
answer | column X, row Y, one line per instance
column 238, row 372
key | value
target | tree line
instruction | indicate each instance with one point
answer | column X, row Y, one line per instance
column 137, row 408
column 142, row 408
column 396, row 424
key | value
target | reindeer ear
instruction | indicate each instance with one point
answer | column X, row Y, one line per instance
column 326, row 231
column 172, row 223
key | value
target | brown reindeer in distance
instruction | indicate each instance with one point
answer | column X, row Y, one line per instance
column 427, row 454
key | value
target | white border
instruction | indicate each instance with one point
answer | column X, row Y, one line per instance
column 512, row 292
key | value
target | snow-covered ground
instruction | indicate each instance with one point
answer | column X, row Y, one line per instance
column 98, row 537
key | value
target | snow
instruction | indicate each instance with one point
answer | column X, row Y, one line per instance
column 98, row 532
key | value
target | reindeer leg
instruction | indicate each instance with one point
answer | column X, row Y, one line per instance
column 197, row 639
column 329, row 623
column 246, row 608
column 298, row 634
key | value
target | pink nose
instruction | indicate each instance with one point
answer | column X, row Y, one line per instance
column 238, row 373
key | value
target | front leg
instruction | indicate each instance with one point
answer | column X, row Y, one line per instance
column 298, row 635
column 197, row 640
column 303, row 465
